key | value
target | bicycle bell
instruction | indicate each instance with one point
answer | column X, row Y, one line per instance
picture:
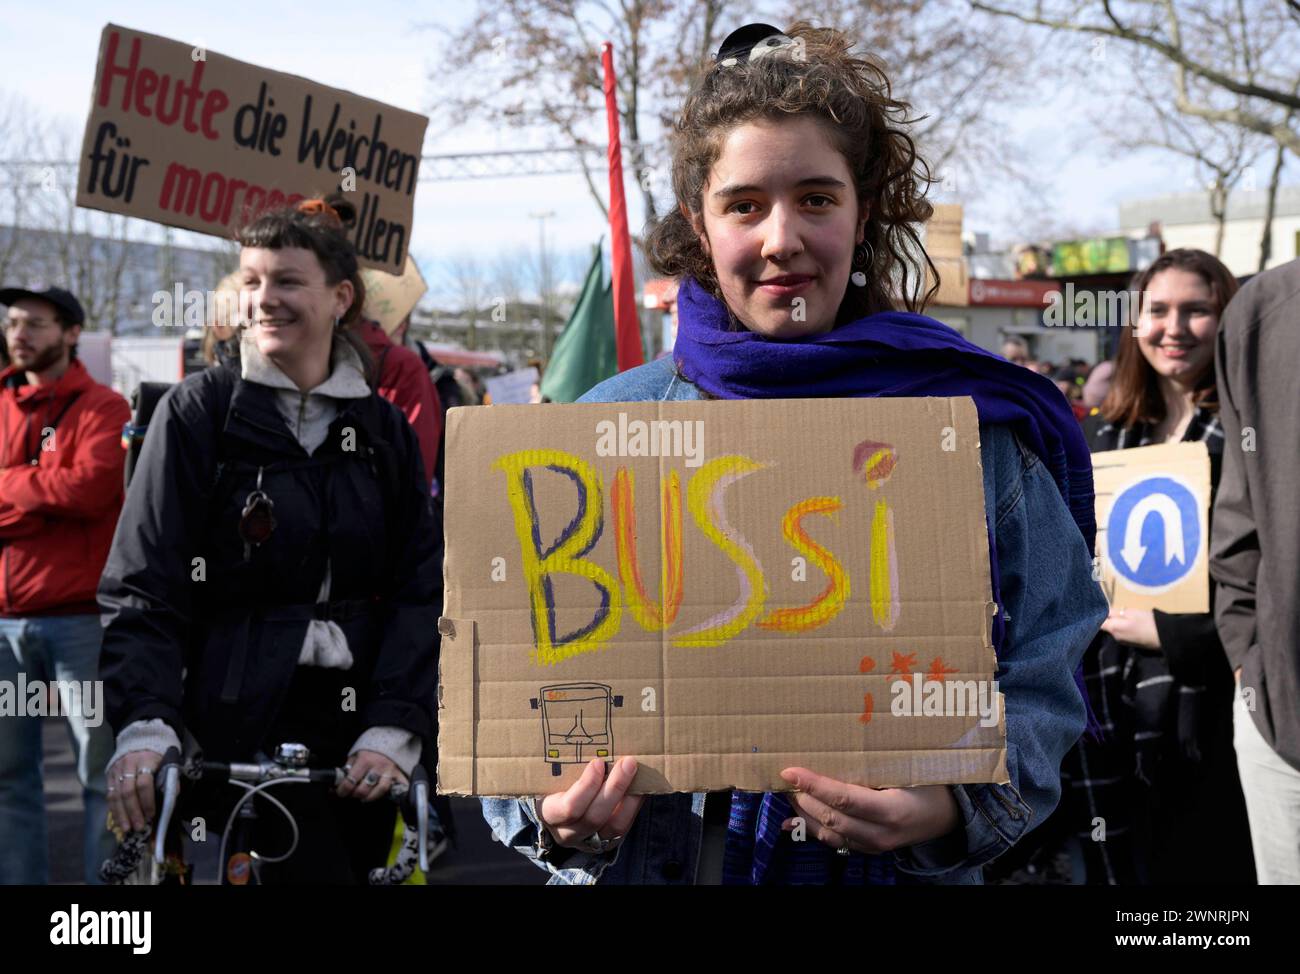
column 292, row 755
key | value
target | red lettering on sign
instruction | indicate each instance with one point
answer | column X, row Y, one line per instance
column 146, row 91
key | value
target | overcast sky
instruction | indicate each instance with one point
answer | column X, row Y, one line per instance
column 377, row 49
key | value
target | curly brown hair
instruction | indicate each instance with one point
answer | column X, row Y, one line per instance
column 850, row 97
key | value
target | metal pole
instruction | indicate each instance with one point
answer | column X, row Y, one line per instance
column 544, row 280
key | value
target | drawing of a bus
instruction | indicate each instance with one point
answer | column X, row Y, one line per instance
column 576, row 724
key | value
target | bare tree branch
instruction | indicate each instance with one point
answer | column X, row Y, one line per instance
column 1171, row 51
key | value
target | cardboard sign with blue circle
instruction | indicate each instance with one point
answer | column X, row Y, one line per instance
column 1153, row 526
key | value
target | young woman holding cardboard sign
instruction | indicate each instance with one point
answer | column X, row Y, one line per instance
column 797, row 189
column 1165, row 774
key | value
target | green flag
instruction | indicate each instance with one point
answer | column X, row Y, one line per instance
column 585, row 353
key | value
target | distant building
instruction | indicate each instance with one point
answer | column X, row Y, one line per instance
column 115, row 280
column 512, row 328
column 1062, row 300
column 1186, row 221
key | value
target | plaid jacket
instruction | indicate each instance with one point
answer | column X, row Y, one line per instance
column 1150, row 704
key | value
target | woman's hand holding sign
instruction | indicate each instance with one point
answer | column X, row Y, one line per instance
column 1137, row 627
column 596, row 811
column 871, row 820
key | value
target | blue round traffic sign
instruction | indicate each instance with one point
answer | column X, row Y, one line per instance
column 1153, row 533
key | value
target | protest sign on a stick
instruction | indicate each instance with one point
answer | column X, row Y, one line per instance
column 721, row 590
column 1153, row 505
column 190, row 138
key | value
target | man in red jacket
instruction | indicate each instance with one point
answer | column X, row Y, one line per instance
column 60, row 494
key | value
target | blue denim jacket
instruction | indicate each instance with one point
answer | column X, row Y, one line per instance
column 1052, row 607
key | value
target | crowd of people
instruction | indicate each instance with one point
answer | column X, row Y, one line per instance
column 279, row 547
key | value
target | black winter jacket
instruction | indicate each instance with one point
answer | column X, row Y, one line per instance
column 209, row 642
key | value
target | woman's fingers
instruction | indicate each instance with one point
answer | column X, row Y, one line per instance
column 381, row 789
column 611, row 795
column 145, row 769
column 126, row 790
column 835, row 828
column 115, row 805
column 351, row 777
column 568, row 807
column 379, row 778
column 620, row 822
column 844, row 813
column 827, row 836
column 374, row 775
column 596, row 804
column 131, row 789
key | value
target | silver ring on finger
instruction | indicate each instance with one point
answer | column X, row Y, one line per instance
column 597, row 844
column 371, row 779
column 144, row 771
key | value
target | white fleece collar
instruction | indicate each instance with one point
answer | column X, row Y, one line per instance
column 346, row 379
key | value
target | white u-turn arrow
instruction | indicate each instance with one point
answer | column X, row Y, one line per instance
column 1163, row 505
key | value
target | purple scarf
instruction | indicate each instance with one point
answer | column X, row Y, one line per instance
column 892, row 354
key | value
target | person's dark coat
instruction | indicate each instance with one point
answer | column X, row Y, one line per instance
column 1255, row 546
column 1163, row 778
column 208, row 640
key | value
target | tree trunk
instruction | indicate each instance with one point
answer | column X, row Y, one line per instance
column 1266, row 240
column 1219, row 210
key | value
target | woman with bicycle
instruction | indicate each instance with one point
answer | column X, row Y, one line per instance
column 276, row 573
column 797, row 191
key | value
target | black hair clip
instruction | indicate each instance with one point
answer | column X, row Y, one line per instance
column 749, row 43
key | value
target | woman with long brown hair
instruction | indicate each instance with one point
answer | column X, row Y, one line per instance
column 1163, row 776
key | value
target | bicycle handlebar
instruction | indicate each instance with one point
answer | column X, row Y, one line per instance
column 412, row 799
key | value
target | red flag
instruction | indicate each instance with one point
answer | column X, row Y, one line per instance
column 627, row 326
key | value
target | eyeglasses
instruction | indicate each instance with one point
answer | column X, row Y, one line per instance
column 35, row 324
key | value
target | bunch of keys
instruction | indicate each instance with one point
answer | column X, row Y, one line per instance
column 258, row 519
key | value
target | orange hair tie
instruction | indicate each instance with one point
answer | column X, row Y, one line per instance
column 314, row 207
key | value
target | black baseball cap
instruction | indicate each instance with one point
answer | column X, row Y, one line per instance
column 61, row 299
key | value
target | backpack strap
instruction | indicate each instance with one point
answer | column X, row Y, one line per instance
column 220, row 405
column 34, row 453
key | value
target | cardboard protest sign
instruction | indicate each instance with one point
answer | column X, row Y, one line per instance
column 719, row 589
column 190, row 138
column 391, row 297
column 1153, row 505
